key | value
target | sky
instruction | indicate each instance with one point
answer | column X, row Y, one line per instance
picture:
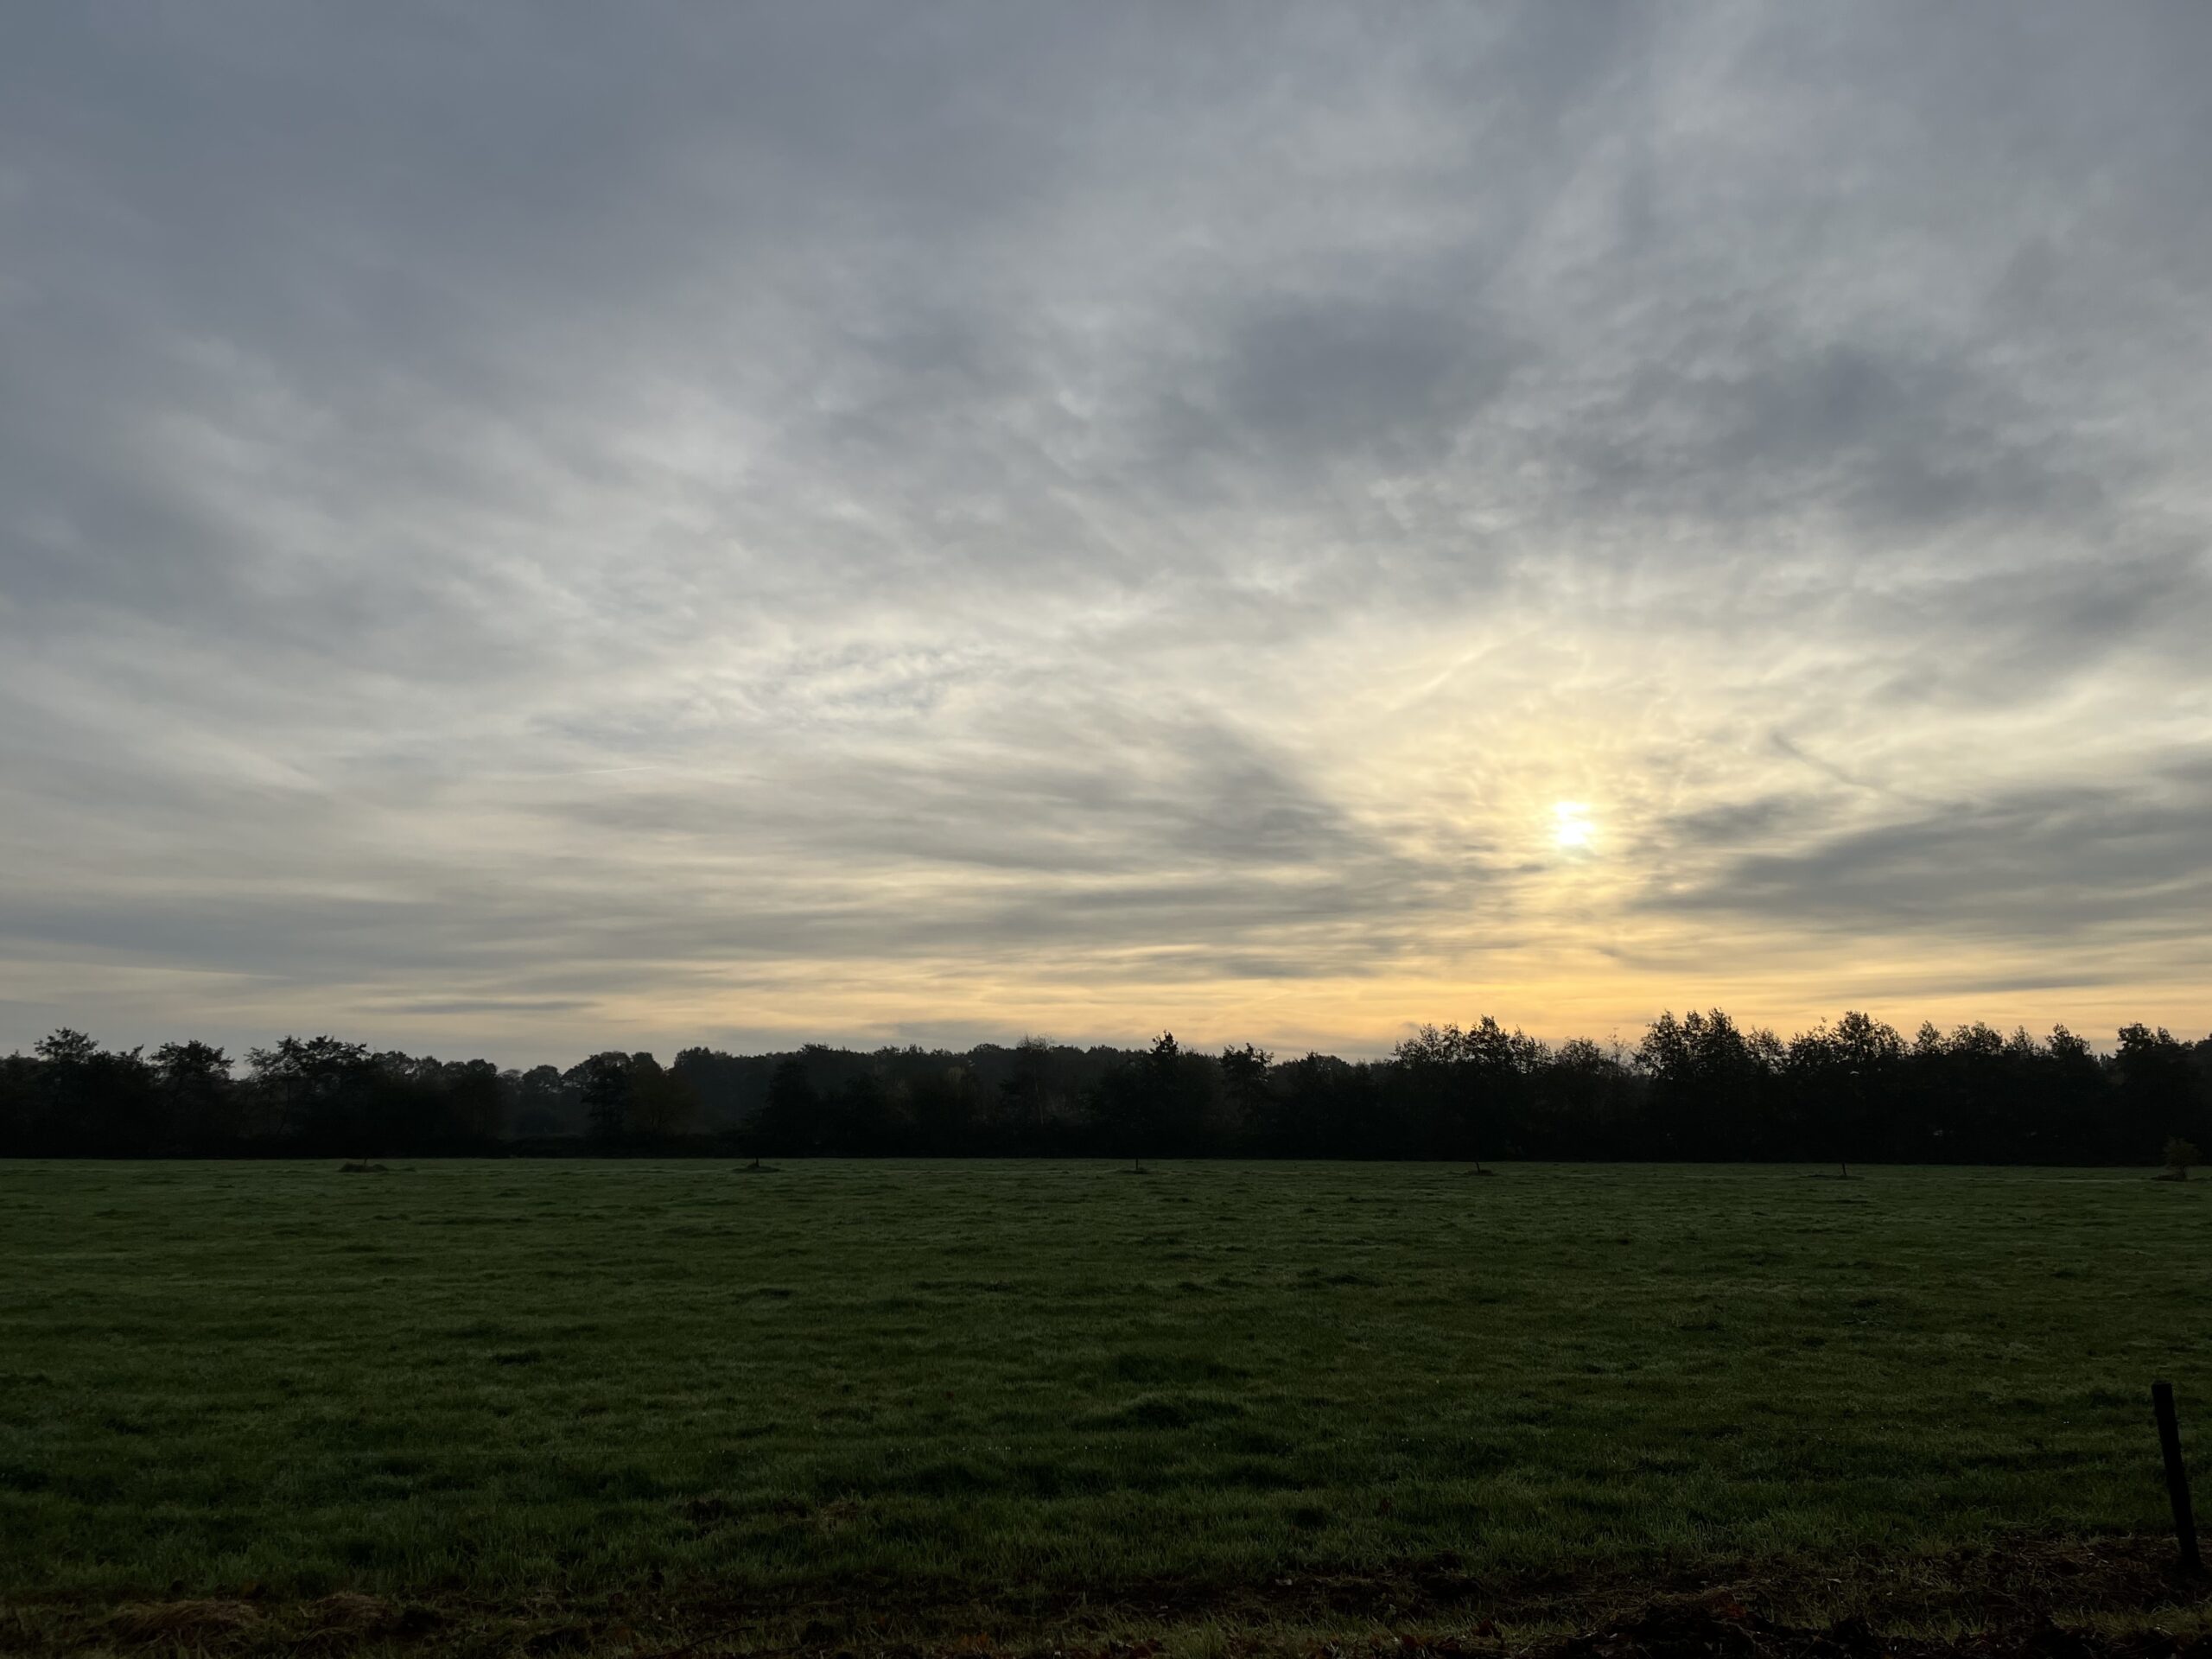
column 527, row 528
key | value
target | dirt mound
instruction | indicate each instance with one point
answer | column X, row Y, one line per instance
column 351, row 1613
column 181, row 1622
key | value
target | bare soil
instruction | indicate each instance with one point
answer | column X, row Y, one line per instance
column 2124, row 1598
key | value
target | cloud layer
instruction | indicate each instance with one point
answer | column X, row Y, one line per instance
column 525, row 527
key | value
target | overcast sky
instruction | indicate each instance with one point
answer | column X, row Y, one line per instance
column 527, row 528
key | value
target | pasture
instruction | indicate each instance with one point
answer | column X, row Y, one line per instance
column 1037, row 1385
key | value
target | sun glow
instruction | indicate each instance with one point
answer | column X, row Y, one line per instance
column 1571, row 831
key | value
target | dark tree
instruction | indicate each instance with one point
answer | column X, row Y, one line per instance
column 1244, row 1087
column 96, row 1102
column 2157, row 1090
column 1711, row 1084
column 942, row 1101
column 1152, row 1101
column 860, row 1120
column 1028, row 1083
column 1848, row 1077
column 604, row 1088
column 662, row 1104
column 789, row 1121
column 321, row 1090
column 200, row 1097
column 1698, row 1086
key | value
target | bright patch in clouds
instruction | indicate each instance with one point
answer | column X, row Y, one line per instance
column 1571, row 831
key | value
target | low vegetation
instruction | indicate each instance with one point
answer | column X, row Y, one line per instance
column 1051, row 1387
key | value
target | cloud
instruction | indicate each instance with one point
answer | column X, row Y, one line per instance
column 836, row 520
column 2051, row 863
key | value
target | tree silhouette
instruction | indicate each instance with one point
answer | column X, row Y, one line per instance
column 1847, row 1073
column 197, row 1093
column 787, row 1123
column 605, row 1087
column 1698, row 1086
column 1244, row 1086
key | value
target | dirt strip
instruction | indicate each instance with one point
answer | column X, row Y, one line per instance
column 2119, row 1598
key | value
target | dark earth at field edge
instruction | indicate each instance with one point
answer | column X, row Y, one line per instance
column 1728, row 1630
column 2119, row 1599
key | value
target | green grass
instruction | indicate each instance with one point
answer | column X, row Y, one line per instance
column 517, row 1379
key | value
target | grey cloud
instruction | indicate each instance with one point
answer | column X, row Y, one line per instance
column 1999, row 635
column 1150, row 795
column 1736, row 823
column 920, row 471
column 2055, row 862
column 1894, row 446
column 1308, row 381
column 494, row 1005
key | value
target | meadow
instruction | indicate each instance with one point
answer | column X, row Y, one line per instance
column 931, row 1382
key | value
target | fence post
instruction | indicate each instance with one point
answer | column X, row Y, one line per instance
column 2161, row 1403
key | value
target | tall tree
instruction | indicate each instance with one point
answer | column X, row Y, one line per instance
column 1244, row 1087
column 198, row 1094
column 604, row 1087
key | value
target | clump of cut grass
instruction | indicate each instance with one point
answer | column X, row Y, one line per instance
column 182, row 1624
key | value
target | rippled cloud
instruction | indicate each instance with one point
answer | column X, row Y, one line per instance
column 526, row 527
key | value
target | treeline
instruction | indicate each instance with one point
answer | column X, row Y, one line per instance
column 1698, row 1087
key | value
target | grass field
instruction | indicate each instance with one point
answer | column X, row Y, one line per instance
column 520, row 1380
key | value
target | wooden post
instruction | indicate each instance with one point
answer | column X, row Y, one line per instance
column 2161, row 1403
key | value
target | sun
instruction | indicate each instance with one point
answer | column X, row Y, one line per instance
column 1571, row 831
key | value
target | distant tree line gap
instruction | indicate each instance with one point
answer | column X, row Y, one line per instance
column 1700, row 1087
